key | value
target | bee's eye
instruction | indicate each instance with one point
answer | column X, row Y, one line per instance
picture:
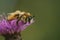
column 29, row 18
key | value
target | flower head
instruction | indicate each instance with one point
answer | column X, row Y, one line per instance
column 15, row 24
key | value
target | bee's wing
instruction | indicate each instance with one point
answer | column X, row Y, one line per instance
column 3, row 16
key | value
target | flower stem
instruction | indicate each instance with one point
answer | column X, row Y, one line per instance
column 16, row 36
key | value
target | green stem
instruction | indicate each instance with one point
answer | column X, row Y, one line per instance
column 16, row 36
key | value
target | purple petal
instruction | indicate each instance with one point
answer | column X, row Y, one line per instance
column 11, row 26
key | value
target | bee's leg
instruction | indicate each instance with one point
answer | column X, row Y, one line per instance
column 25, row 21
column 18, row 19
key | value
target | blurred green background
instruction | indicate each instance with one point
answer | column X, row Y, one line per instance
column 47, row 17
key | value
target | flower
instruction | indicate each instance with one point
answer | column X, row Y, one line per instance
column 15, row 22
column 10, row 27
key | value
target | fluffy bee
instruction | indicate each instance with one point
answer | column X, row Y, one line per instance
column 23, row 16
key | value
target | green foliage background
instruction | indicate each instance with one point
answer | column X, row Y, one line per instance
column 47, row 17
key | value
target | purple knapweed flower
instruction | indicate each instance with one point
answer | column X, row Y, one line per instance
column 9, row 27
column 13, row 24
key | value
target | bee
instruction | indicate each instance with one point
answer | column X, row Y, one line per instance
column 20, row 16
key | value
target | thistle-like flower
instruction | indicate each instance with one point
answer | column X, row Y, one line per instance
column 15, row 22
